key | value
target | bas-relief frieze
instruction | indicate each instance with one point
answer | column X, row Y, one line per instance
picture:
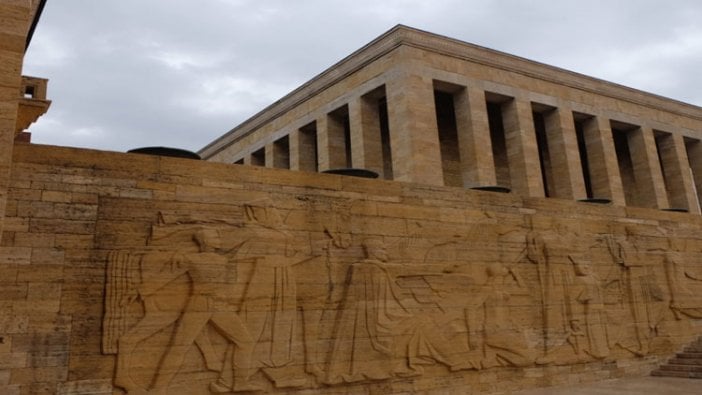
column 251, row 305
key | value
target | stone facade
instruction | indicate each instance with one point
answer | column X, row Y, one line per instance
column 128, row 273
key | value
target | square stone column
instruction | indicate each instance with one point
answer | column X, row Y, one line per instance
column 248, row 160
column 693, row 149
column 295, row 152
column 330, row 143
column 303, row 149
column 522, row 149
column 414, row 133
column 676, row 168
column 650, row 188
column 605, row 180
column 366, row 144
column 474, row 143
column 566, row 168
column 270, row 155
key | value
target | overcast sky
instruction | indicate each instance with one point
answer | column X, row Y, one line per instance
column 134, row 73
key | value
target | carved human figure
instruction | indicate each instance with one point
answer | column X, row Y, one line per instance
column 160, row 311
column 550, row 276
column 376, row 335
column 640, row 289
column 587, row 311
column 206, row 270
column 275, row 292
column 497, row 341
column 683, row 301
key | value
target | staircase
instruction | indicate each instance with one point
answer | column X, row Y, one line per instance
column 686, row 364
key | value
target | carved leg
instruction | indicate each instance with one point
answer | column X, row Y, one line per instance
column 232, row 327
column 189, row 327
column 202, row 341
column 311, row 319
column 149, row 325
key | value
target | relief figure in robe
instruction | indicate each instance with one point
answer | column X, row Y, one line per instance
column 376, row 335
column 683, row 300
column 640, row 290
column 495, row 340
column 272, row 296
column 587, row 311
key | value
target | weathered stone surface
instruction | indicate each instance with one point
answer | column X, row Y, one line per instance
column 258, row 280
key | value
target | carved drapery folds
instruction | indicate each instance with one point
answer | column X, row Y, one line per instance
column 315, row 296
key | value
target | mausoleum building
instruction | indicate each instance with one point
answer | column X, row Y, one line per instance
column 418, row 107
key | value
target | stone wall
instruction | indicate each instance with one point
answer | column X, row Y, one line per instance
column 160, row 273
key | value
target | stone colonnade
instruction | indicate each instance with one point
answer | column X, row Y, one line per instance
column 416, row 128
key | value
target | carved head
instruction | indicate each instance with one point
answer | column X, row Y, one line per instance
column 581, row 266
column 208, row 239
column 375, row 249
column 264, row 213
column 497, row 270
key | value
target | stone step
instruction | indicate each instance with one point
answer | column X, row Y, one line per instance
column 681, row 368
column 685, row 361
column 686, row 364
column 673, row 373
column 691, row 355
